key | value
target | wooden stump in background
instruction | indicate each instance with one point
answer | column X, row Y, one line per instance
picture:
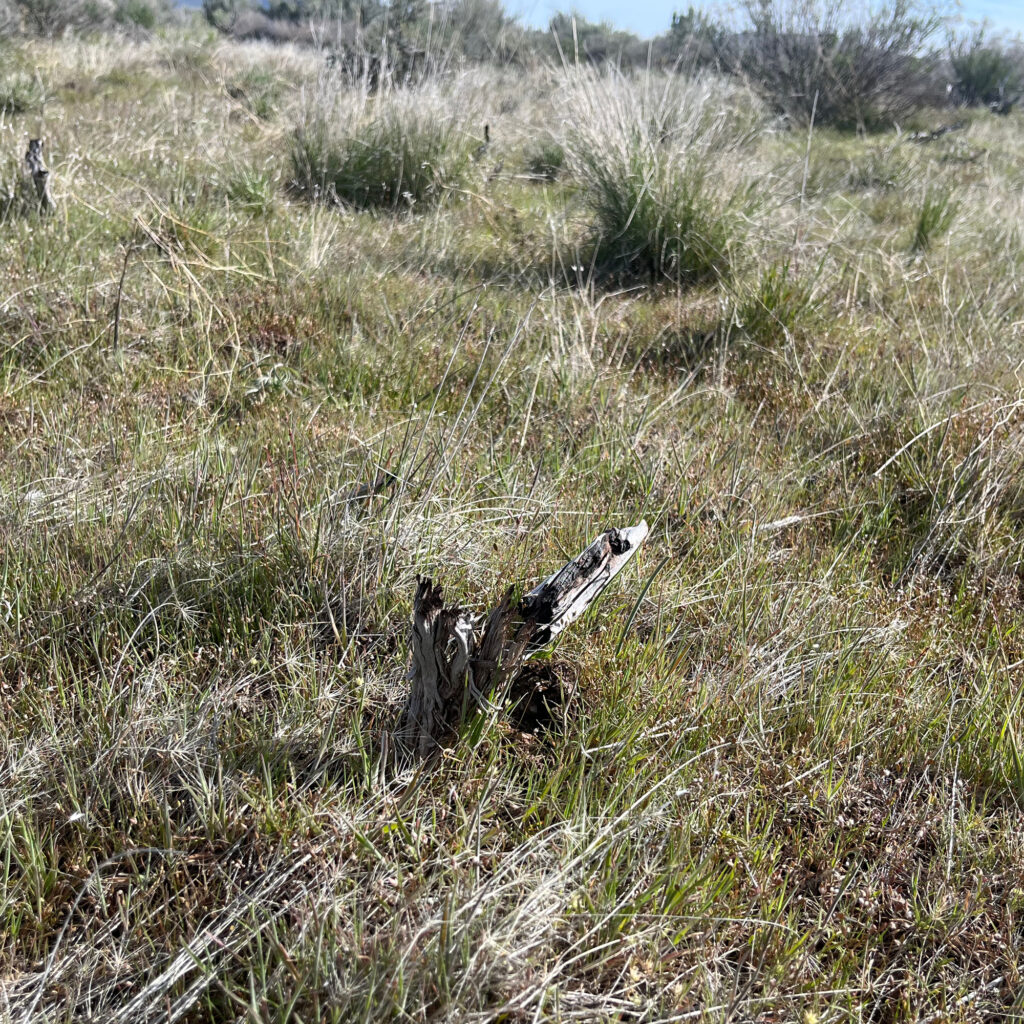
column 40, row 176
column 457, row 666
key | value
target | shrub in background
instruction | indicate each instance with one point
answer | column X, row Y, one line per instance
column 50, row 18
column 984, row 70
column 401, row 150
column 141, row 14
column 373, row 39
column 54, row 17
column 223, row 14
column 579, row 41
column 694, row 42
column 8, row 19
column 860, row 69
column 648, row 157
column 480, row 30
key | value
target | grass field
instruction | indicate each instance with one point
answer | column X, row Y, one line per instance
column 789, row 785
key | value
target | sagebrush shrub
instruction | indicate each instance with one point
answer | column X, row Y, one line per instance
column 141, row 14
column 54, row 17
column 984, row 70
column 819, row 60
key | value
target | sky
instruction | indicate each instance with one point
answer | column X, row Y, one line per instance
column 651, row 17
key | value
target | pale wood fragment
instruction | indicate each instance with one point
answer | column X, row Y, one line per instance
column 565, row 595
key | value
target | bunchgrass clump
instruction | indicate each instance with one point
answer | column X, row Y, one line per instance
column 879, row 168
column 21, row 92
column 545, row 159
column 776, row 303
column 251, row 188
column 655, row 163
column 397, row 152
column 934, row 218
column 258, row 90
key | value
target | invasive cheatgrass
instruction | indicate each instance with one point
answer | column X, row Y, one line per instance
column 395, row 152
column 655, row 160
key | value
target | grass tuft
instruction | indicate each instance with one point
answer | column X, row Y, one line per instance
column 775, row 305
column 21, row 92
column 252, row 189
column 934, row 218
column 394, row 153
column 259, row 90
column 649, row 157
column 545, row 159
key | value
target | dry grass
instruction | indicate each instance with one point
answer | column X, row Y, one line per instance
column 789, row 787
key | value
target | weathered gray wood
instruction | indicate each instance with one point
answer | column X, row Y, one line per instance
column 39, row 174
column 456, row 666
column 565, row 595
column 443, row 646
column 931, row 136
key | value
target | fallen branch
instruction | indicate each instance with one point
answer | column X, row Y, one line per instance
column 456, row 666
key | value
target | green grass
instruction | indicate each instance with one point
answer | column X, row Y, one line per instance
column 396, row 152
column 775, row 305
column 251, row 188
column 934, row 218
column 789, row 784
column 258, row 90
column 545, row 159
column 647, row 159
column 21, row 92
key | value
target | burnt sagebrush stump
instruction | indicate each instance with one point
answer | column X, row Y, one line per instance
column 39, row 175
column 456, row 666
